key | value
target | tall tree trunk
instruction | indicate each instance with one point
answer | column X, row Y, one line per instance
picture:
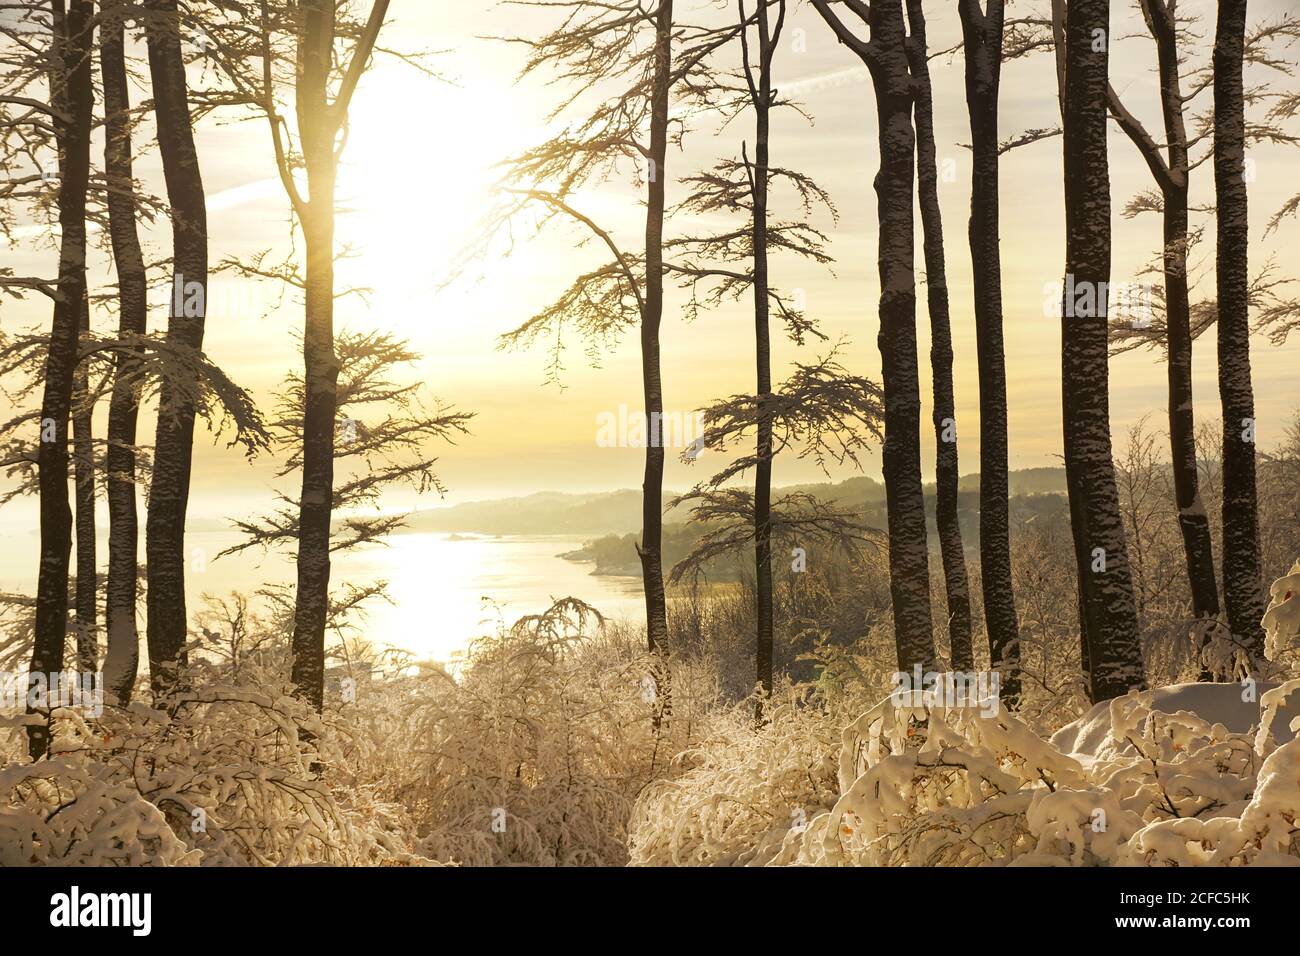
column 73, row 95
column 1172, row 177
column 169, row 490
column 320, row 364
column 982, row 35
column 885, row 56
column 956, row 584
column 761, row 95
column 121, row 660
column 319, row 124
column 650, row 550
column 83, row 468
column 1193, row 522
column 909, row 559
column 1242, row 590
column 1113, row 649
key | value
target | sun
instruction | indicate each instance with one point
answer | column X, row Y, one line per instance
column 417, row 177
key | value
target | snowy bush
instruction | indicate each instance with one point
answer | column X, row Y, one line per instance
column 230, row 776
column 535, row 754
column 950, row 786
column 544, row 749
column 741, row 790
column 1282, row 619
column 68, row 811
column 1193, row 774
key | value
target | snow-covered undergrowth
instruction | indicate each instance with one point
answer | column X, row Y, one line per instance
column 227, row 779
column 543, row 750
column 1183, row 776
column 536, row 754
column 532, row 755
column 735, row 795
column 936, row 786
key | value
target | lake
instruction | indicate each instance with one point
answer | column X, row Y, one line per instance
column 447, row 589
column 442, row 585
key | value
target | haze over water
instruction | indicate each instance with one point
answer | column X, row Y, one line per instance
column 445, row 589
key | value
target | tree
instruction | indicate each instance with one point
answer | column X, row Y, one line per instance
column 298, row 43
column 1172, row 172
column 821, row 412
column 951, row 549
column 652, row 486
column 983, row 36
column 1242, row 582
column 385, row 430
column 884, row 54
column 319, row 123
column 627, row 46
column 761, row 98
column 1111, row 648
column 71, row 103
column 746, row 185
column 86, row 589
column 130, row 360
column 121, row 659
column 169, row 488
column 1175, row 323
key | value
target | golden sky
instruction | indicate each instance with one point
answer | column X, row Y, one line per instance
column 418, row 179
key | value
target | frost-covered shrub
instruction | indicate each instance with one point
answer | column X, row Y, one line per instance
column 1259, row 831
column 229, row 776
column 741, row 789
column 69, row 811
column 1195, row 774
column 535, row 754
column 950, row 786
column 921, row 785
column 1282, row 619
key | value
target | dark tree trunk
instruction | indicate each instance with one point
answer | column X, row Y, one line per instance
column 321, row 367
column 956, row 584
column 1242, row 590
column 169, row 490
column 885, row 56
column 761, row 95
column 1172, row 176
column 1113, row 653
column 319, row 124
column 982, row 36
column 73, row 95
column 1192, row 519
column 83, row 468
column 909, row 559
column 121, row 660
column 1193, row 522
column 652, row 573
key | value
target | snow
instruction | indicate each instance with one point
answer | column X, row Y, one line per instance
column 1282, row 619
column 1090, row 735
column 1150, row 783
column 543, row 753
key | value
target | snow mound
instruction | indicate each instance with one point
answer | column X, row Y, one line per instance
column 1282, row 619
column 935, row 786
column 1235, row 706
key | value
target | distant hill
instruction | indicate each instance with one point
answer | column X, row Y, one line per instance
column 1026, row 481
column 546, row 512
column 619, row 512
